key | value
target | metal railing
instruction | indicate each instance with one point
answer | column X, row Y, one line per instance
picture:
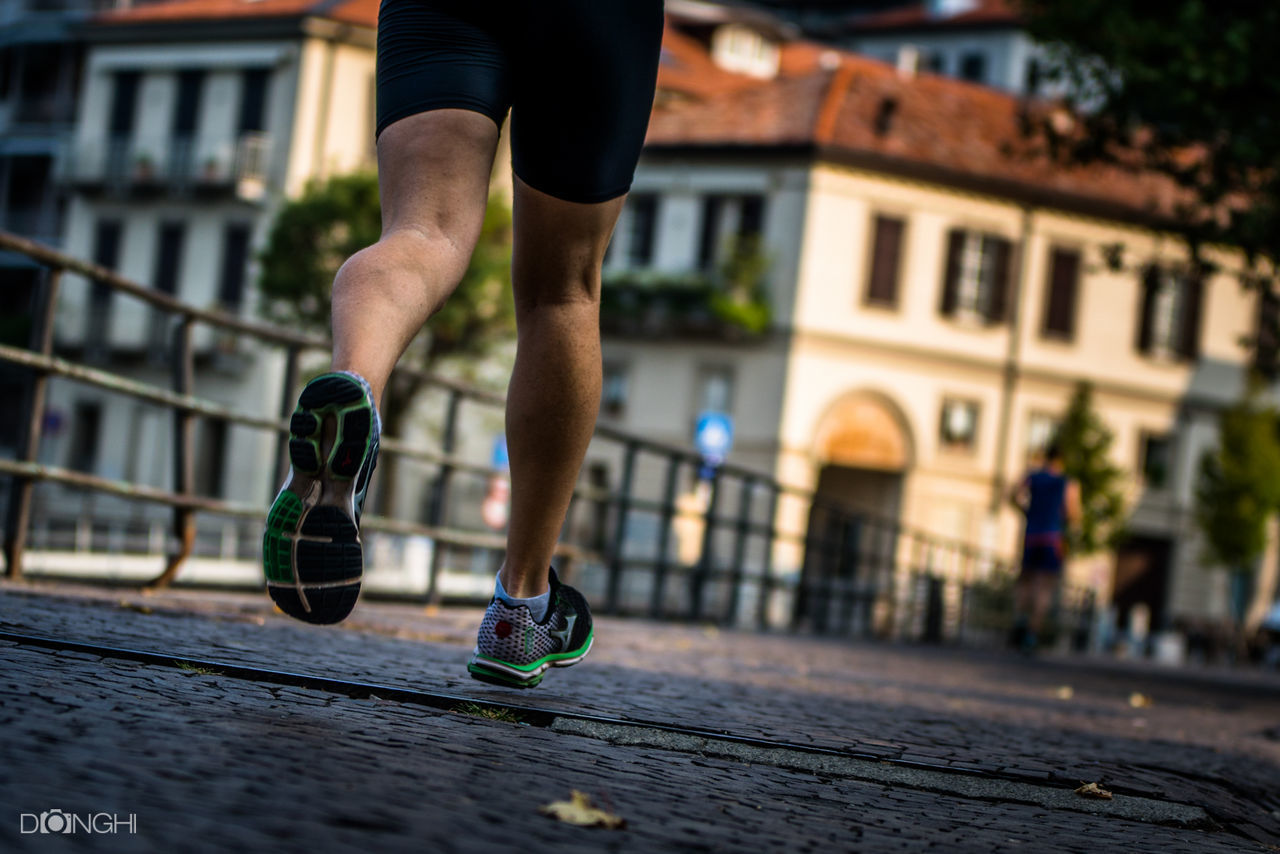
column 178, row 165
column 740, row 548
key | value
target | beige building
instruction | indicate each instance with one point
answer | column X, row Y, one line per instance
column 197, row 120
column 937, row 292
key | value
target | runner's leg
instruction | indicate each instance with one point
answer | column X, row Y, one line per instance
column 433, row 174
column 555, row 387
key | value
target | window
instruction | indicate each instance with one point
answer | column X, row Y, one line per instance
column 1157, row 459
column 85, row 431
column 169, row 256
column 165, row 279
column 643, row 225
column 973, row 67
column 187, row 109
column 959, row 429
column 1041, row 430
column 1169, row 321
column 253, row 100
column 976, row 286
column 235, row 258
column 124, row 102
column 715, row 391
column 719, row 224
column 709, row 237
column 613, row 397
column 1060, row 298
column 1034, row 78
column 106, row 253
column 936, row 62
column 751, row 217
column 886, row 257
column 211, row 461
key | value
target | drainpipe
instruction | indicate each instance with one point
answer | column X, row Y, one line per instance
column 1011, row 364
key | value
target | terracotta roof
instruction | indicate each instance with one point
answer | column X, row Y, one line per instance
column 359, row 12
column 916, row 16
column 865, row 110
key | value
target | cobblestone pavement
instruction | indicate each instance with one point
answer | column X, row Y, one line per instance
column 209, row 761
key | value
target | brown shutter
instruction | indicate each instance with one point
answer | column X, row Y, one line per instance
column 1060, row 301
column 1192, row 309
column 886, row 252
column 1266, row 350
column 1150, row 287
column 951, row 279
column 1001, row 279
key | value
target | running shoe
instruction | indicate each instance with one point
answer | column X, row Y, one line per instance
column 514, row 650
column 311, row 553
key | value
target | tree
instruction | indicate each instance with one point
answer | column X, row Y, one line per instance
column 1086, row 441
column 1186, row 89
column 313, row 236
column 1239, row 489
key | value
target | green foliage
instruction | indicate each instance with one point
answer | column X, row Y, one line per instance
column 1185, row 88
column 312, row 237
column 728, row 303
column 739, row 297
column 1086, row 447
column 1239, row 485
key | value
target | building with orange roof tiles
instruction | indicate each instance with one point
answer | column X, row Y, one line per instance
column 935, row 289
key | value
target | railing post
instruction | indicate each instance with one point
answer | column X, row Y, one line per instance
column 184, row 518
column 766, row 570
column 662, row 564
column 43, row 306
column 440, row 492
column 288, row 402
column 739, row 549
column 706, row 560
column 614, row 583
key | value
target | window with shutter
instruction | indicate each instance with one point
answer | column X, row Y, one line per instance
column 1060, row 300
column 1266, row 346
column 1172, row 305
column 644, row 223
column 886, row 254
column 978, row 277
column 951, row 277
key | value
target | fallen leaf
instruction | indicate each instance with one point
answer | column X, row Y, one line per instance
column 578, row 810
column 1093, row 790
column 1064, row 692
column 1139, row 701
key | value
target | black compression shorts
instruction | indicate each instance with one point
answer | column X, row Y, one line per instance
column 577, row 75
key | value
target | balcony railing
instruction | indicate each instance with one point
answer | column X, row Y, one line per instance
column 174, row 165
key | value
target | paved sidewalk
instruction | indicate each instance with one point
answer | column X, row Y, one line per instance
column 210, row 761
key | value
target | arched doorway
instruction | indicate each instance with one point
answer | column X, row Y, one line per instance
column 862, row 448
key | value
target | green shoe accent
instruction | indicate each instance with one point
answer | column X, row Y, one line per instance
column 497, row 677
column 277, row 542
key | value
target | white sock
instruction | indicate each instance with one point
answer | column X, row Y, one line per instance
column 537, row 605
column 377, row 416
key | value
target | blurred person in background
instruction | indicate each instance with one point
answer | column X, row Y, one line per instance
column 1050, row 501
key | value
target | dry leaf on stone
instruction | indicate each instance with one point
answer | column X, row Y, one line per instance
column 1093, row 790
column 579, row 810
column 1064, row 692
column 1139, row 701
